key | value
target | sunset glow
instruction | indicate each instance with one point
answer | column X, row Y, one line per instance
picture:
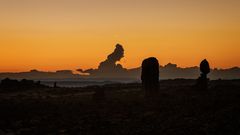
column 52, row 35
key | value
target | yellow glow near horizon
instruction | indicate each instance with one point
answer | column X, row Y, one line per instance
column 52, row 35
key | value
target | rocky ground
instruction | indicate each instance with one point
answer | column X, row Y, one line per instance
column 180, row 109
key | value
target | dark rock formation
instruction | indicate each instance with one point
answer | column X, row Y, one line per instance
column 150, row 76
column 16, row 85
column 202, row 81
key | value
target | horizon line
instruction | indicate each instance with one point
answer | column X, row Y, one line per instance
column 75, row 71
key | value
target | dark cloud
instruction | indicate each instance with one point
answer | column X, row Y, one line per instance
column 109, row 67
column 110, row 63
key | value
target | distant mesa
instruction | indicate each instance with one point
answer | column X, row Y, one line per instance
column 35, row 74
column 18, row 85
column 171, row 66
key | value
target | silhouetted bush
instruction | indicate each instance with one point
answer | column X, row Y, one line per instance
column 150, row 76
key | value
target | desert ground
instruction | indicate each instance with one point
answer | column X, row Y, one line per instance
column 179, row 109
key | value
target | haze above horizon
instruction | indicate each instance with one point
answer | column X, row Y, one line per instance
column 52, row 35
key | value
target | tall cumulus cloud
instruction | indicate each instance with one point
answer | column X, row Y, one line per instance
column 109, row 67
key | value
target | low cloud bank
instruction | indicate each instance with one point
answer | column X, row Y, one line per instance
column 109, row 69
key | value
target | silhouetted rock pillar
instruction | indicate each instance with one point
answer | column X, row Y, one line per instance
column 150, row 76
column 203, row 80
column 55, row 85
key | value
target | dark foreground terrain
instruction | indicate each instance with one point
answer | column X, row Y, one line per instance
column 179, row 110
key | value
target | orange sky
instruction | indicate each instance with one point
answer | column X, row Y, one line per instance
column 51, row 35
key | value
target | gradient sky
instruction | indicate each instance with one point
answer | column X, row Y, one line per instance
column 51, row 35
